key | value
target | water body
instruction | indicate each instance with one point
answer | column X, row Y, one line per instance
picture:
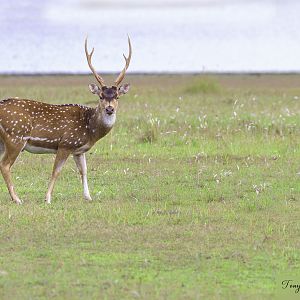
column 167, row 36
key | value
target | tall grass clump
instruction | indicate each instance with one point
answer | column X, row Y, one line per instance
column 150, row 131
column 203, row 86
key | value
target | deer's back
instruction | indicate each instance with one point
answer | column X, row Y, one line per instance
column 44, row 125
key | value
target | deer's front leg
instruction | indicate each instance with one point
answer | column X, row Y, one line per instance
column 81, row 165
column 59, row 162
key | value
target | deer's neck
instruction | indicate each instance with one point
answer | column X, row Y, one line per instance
column 100, row 123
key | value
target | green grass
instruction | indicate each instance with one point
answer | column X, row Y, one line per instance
column 202, row 86
column 196, row 195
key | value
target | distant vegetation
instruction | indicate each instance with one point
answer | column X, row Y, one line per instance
column 203, row 85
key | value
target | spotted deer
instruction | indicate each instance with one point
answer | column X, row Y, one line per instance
column 67, row 129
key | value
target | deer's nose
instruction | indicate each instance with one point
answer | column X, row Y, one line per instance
column 109, row 110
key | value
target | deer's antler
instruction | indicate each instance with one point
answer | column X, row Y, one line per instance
column 89, row 60
column 127, row 62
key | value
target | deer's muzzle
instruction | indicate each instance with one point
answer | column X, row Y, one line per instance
column 109, row 110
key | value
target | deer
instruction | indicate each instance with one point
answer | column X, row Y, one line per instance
column 65, row 129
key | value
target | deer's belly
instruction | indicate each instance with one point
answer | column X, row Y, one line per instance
column 83, row 149
column 38, row 145
column 38, row 150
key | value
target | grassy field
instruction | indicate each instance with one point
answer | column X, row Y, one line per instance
column 196, row 195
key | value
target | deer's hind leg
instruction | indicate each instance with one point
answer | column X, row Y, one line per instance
column 10, row 154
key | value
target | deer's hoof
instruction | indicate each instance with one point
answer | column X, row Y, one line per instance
column 18, row 201
column 48, row 200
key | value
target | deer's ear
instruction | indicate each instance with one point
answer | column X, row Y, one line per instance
column 94, row 88
column 123, row 89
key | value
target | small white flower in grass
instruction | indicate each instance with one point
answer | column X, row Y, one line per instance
column 3, row 273
column 256, row 189
column 226, row 173
column 259, row 188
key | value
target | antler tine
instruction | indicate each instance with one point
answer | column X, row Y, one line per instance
column 127, row 62
column 89, row 60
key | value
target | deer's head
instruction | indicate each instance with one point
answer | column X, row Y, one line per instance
column 109, row 95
